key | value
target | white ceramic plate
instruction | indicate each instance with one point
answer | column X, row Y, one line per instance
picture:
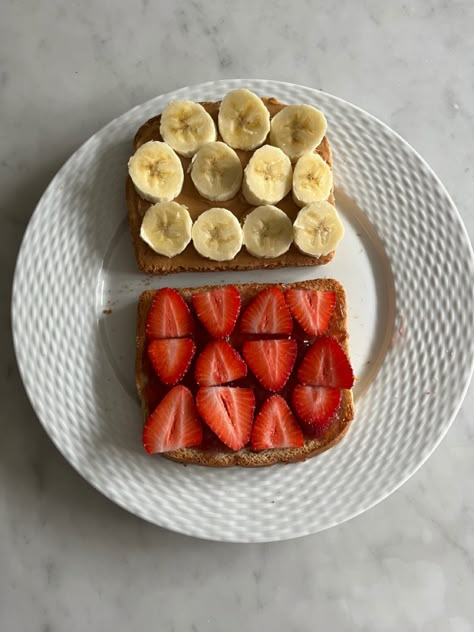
column 408, row 270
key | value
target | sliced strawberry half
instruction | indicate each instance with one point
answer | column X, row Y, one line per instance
column 316, row 405
column 326, row 364
column 219, row 363
column 228, row 412
column 169, row 316
column 218, row 310
column 275, row 426
column 271, row 361
column 171, row 358
column 311, row 308
column 173, row 424
column 268, row 313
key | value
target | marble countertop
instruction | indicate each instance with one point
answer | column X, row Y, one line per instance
column 70, row 559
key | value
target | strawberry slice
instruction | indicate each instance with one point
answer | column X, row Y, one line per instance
column 228, row 412
column 271, row 361
column 275, row 426
column 173, row 424
column 219, row 363
column 316, row 405
column 171, row 358
column 267, row 314
column 326, row 364
column 311, row 308
column 218, row 309
column 169, row 316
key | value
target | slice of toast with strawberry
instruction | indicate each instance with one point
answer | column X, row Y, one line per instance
column 250, row 374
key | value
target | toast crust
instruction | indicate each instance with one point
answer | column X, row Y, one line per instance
column 189, row 260
column 224, row 457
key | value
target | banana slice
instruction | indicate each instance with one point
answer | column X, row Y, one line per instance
column 216, row 171
column 318, row 229
column 156, row 172
column 297, row 129
column 186, row 126
column 267, row 177
column 217, row 234
column 166, row 228
column 244, row 121
column 267, row 232
column 312, row 179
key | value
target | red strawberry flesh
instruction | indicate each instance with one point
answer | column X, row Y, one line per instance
column 267, row 313
column 218, row 310
column 312, row 309
column 174, row 423
column 275, row 426
column 326, row 364
column 316, row 405
column 169, row 316
column 271, row 361
column 228, row 412
column 219, row 363
column 171, row 358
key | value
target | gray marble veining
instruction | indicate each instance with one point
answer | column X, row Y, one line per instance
column 70, row 559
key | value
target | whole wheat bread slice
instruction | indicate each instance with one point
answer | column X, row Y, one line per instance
column 220, row 455
column 189, row 260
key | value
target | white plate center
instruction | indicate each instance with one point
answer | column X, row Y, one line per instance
column 360, row 265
